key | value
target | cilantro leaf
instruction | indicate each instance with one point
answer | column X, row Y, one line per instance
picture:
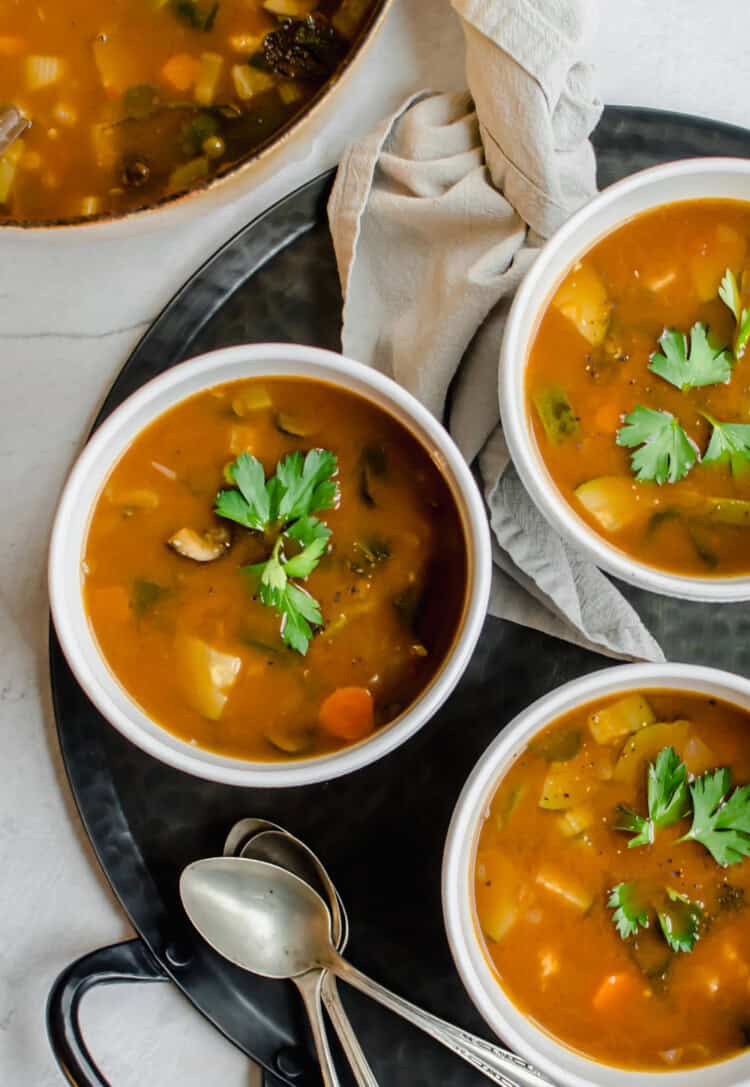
column 730, row 444
column 694, row 366
column 300, row 610
column 668, row 799
column 729, row 293
column 721, row 823
column 249, row 505
column 314, row 537
column 306, row 485
column 666, row 452
column 630, row 821
column 630, row 914
column 680, row 921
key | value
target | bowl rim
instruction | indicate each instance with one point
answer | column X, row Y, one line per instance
column 91, row 470
column 530, row 302
column 565, row 1066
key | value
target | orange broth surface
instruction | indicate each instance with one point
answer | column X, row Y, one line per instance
column 130, row 100
column 592, row 349
column 391, row 586
column 549, row 855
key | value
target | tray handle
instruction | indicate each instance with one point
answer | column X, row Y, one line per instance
column 128, row 961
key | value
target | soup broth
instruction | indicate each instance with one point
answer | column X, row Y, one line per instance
column 605, row 408
column 634, row 952
column 131, row 100
column 193, row 641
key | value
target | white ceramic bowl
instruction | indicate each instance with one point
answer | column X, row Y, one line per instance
column 689, row 180
column 82, row 490
column 561, row 1064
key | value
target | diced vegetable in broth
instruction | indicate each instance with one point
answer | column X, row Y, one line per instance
column 583, row 299
column 614, row 722
column 556, row 413
column 206, row 675
column 633, row 957
column 616, row 502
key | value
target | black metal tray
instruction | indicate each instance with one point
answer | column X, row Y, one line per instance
column 380, row 830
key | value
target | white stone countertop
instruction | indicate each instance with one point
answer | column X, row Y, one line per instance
column 72, row 308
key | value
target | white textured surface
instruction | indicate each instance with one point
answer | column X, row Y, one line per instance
column 71, row 309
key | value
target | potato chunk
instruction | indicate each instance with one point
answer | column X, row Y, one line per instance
column 645, row 745
column 206, row 675
column 583, row 299
column 615, row 722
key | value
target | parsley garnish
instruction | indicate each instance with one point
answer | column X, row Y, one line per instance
column 721, row 823
column 283, row 506
column 666, row 452
column 729, row 293
column 668, row 799
column 630, row 914
column 690, row 366
column 730, row 444
column 680, row 921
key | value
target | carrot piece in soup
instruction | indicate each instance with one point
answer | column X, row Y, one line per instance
column 615, row 992
column 348, row 713
column 181, row 71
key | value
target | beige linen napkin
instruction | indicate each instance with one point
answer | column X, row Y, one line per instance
column 435, row 219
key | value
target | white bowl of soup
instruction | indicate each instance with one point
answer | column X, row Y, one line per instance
column 269, row 566
column 600, row 921
column 624, row 377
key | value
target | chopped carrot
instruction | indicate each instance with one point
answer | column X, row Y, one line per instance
column 11, row 45
column 181, row 71
column 113, row 601
column 608, row 418
column 617, row 989
column 348, row 713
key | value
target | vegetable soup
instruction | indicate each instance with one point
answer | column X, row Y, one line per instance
column 275, row 569
column 613, row 885
column 638, row 387
column 130, row 100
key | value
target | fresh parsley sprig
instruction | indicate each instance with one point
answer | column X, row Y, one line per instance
column 721, row 822
column 693, row 363
column 666, row 453
column 668, row 799
column 631, row 913
column 281, row 507
column 680, row 920
column 729, row 293
column 729, row 444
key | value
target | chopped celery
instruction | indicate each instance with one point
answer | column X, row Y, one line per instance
column 617, row 721
column 208, row 78
column 186, row 175
column 556, row 413
column 559, row 746
column 565, row 886
column 644, row 745
column 727, row 511
column 510, row 802
column 616, row 501
column 583, row 299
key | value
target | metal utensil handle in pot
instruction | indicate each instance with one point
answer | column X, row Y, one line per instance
column 494, row 1062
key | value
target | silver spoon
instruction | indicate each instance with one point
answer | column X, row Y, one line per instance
column 281, row 848
column 228, row 898
column 12, row 125
column 242, row 831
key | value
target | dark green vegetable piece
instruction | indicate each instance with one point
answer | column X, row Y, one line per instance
column 556, row 413
column 201, row 16
column 369, row 554
column 373, row 464
column 144, row 595
column 559, row 746
column 306, row 48
column 140, row 101
column 197, row 131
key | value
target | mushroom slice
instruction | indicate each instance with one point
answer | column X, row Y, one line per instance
column 207, row 547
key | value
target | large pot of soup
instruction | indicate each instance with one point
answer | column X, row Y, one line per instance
column 269, row 566
column 134, row 105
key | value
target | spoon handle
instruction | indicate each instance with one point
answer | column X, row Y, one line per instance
column 494, row 1062
column 363, row 1074
column 309, row 986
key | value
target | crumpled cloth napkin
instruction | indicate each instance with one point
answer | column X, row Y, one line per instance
column 435, row 218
